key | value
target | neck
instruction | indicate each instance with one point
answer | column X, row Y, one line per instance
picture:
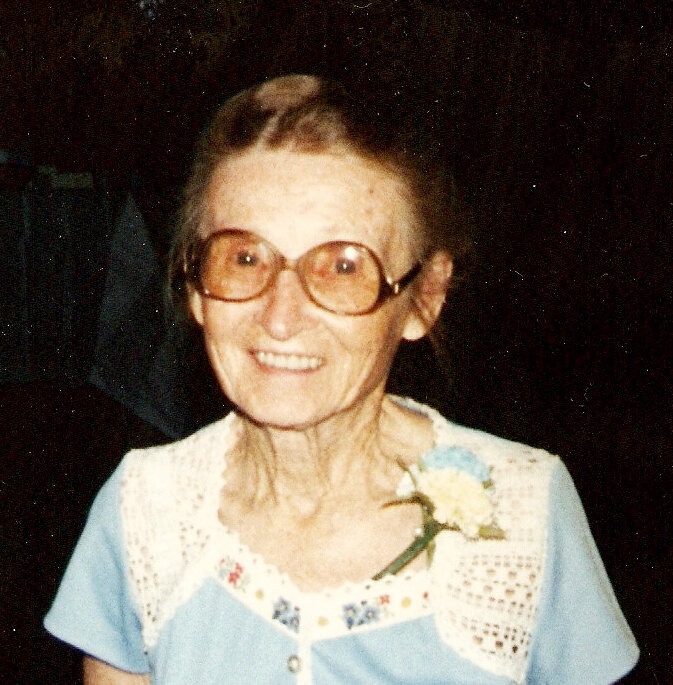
column 307, row 469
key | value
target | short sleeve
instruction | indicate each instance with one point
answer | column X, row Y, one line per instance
column 581, row 635
column 93, row 609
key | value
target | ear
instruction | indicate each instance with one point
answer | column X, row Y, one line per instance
column 196, row 305
column 429, row 295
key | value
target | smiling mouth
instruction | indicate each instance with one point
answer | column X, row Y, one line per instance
column 289, row 362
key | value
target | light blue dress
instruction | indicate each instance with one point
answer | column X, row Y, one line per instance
column 188, row 603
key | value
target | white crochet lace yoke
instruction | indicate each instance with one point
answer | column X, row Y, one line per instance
column 483, row 594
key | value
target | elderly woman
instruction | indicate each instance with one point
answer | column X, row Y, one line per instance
column 326, row 532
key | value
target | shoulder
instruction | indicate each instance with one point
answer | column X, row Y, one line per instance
column 507, row 459
column 522, row 477
column 539, row 595
column 169, row 498
column 179, row 465
column 166, row 487
column 486, row 593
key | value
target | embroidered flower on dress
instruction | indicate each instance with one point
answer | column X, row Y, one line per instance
column 287, row 614
column 365, row 612
column 233, row 573
column 452, row 486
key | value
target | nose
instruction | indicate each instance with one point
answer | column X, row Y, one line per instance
column 284, row 306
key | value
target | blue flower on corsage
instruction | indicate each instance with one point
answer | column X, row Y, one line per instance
column 452, row 486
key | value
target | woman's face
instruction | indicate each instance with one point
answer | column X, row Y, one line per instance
column 280, row 358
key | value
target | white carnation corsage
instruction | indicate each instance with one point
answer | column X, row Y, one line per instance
column 453, row 488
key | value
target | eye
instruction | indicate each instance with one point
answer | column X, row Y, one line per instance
column 246, row 258
column 348, row 260
column 345, row 266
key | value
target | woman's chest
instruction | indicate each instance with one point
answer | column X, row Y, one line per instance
column 330, row 548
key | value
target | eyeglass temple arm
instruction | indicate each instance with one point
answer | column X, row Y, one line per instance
column 397, row 287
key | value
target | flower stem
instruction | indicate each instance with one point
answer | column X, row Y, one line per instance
column 431, row 529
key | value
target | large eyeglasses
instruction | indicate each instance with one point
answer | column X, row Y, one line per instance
column 342, row 277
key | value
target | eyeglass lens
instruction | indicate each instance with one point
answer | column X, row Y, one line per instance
column 341, row 277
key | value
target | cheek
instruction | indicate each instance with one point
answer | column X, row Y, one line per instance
column 221, row 329
column 377, row 342
column 221, row 335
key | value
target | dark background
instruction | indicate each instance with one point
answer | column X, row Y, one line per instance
column 557, row 120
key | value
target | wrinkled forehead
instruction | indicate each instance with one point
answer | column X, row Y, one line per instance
column 309, row 198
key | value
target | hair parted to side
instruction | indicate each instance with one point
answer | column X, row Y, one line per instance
column 310, row 115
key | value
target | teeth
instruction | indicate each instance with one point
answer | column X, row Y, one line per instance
column 292, row 362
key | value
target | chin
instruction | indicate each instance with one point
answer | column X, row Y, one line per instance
column 282, row 415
